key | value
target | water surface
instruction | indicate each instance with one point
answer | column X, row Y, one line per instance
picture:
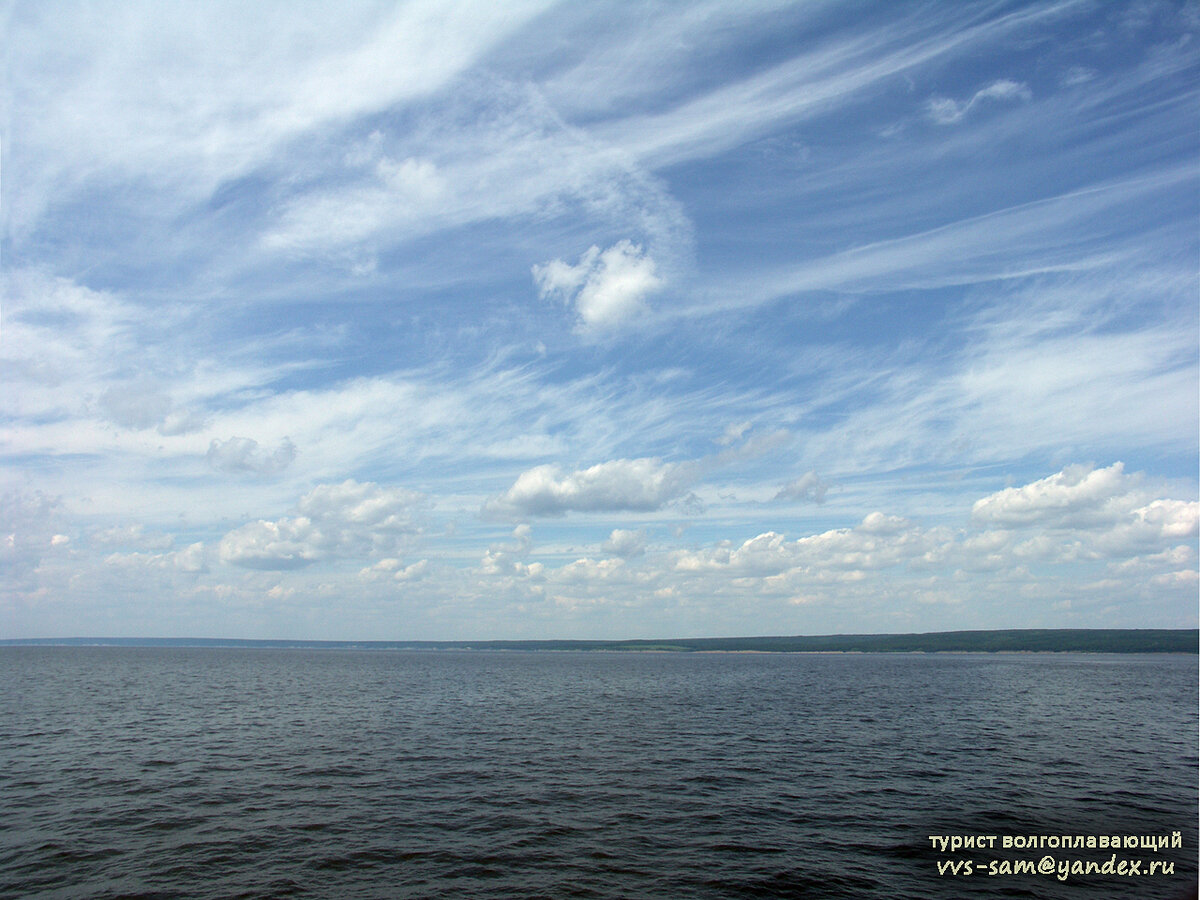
column 217, row 773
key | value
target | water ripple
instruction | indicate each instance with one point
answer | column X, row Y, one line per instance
column 339, row 774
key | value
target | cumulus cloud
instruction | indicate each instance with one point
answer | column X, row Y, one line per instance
column 242, row 454
column 807, row 488
column 763, row 553
column 509, row 559
column 289, row 543
column 1172, row 519
column 1078, row 495
column 626, row 543
column 394, row 569
column 192, row 560
column 588, row 571
column 880, row 523
column 1080, row 520
column 945, row 111
column 361, row 504
column 640, row 485
column 878, row 542
column 607, row 287
column 1142, row 528
column 346, row 520
column 1084, row 513
column 1173, row 557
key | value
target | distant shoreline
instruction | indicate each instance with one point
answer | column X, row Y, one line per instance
column 1071, row 640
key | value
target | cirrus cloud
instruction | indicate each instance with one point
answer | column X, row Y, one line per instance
column 945, row 111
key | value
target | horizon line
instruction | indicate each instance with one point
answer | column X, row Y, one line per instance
column 1125, row 640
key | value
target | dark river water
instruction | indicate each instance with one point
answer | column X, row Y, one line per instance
column 223, row 773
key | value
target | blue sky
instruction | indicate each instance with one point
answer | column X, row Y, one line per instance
column 534, row 319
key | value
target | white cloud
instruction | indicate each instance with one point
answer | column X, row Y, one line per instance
column 361, row 505
column 130, row 536
column 241, row 454
column 733, row 433
column 494, row 415
column 802, row 87
column 491, row 150
column 191, row 560
column 395, row 195
column 808, row 487
column 103, row 361
column 1172, row 518
column 286, row 544
column 1184, row 578
column 607, row 288
column 135, row 405
column 498, row 139
column 58, row 338
column 625, row 544
column 944, row 111
column 333, row 521
column 237, row 89
column 1087, row 513
column 1179, row 555
column 1078, row 516
column 143, row 404
column 1077, row 496
column 394, row 569
column 880, row 523
column 588, row 571
column 618, row 485
column 31, row 522
column 1143, row 528
column 765, row 551
column 1065, row 235
column 1046, row 367
column 878, row 542
column 182, row 421
column 1076, row 75
column 1132, row 542
column 508, row 560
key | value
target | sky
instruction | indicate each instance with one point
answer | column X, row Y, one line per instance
column 467, row 320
